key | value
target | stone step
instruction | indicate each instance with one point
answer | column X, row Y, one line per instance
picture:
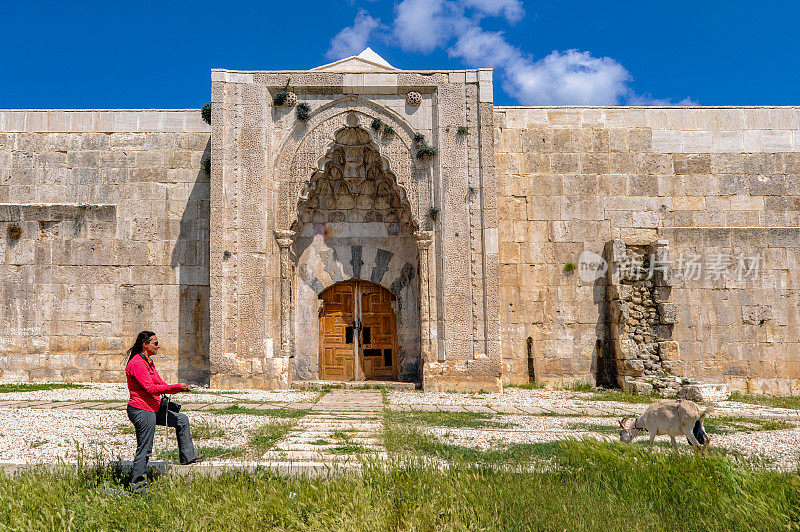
column 296, row 456
column 294, row 447
column 319, row 385
column 336, row 426
column 302, row 440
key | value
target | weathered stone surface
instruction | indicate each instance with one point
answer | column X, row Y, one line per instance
column 635, row 386
column 668, row 312
column 704, row 393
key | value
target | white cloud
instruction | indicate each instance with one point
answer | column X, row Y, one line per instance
column 478, row 47
column 571, row 77
column 423, row 25
column 568, row 78
column 353, row 39
column 511, row 10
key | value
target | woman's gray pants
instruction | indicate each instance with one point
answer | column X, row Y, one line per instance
column 145, row 423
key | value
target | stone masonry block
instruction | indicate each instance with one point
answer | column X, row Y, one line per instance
column 668, row 312
column 669, row 350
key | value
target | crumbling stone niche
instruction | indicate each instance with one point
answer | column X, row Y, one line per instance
column 639, row 284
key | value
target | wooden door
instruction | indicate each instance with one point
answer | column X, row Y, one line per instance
column 357, row 341
column 337, row 359
column 378, row 332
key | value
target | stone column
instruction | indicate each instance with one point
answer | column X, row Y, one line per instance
column 285, row 239
column 427, row 343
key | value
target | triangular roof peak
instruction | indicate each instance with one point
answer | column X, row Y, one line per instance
column 366, row 61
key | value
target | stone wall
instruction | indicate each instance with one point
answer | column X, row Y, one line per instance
column 104, row 221
column 721, row 183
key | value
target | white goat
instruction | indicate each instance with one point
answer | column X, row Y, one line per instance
column 670, row 418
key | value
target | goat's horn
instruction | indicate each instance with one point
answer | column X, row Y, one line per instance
column 622, row 422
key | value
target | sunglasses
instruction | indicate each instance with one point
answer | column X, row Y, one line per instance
column 153, row 343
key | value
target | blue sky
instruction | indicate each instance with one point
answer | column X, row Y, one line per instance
column 159, row 54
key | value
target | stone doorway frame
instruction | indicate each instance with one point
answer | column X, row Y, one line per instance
column 427, row 299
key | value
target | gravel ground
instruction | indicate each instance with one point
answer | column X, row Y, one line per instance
column 779, row 447
column 119, row 392
column 34, row 435
column 45, row 435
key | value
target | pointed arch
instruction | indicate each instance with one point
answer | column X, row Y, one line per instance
column 307, row 148
column 353, row 176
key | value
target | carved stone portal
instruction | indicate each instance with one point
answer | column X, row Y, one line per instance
column 355, row 186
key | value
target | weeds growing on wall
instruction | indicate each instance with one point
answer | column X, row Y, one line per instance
column 279, row 98
column 426, row 152
column 14, row 232
column 303, row 112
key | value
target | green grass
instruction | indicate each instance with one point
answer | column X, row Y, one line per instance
column 125, row 428
column 205, row 430
column 445, row 419
column 535, row 385
column 210, row 452
column 555, row 414
column 731, row 424
column 624, row 397
column 265, row 436
column 320, row 441
column 342, row 434
column 11, row 388
column 201, row 430
column 272, row 412
column 577, row 387
column 408, row 440
column 775, row 401
column 585, row 486
column 349, row 448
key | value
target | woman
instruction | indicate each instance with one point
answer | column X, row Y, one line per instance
column 145, row 412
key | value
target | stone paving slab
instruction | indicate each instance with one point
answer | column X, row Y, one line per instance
column 91, row 404
column 450, row 408
column 300, row 456
column 479, row 409
column 194, row 406
column 502, row 409
column 217, row 406
column 63, row 405
column 111, row 406
column 34, row 404
column 297, row 406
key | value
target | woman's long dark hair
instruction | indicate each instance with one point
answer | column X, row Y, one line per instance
column 137, row 347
